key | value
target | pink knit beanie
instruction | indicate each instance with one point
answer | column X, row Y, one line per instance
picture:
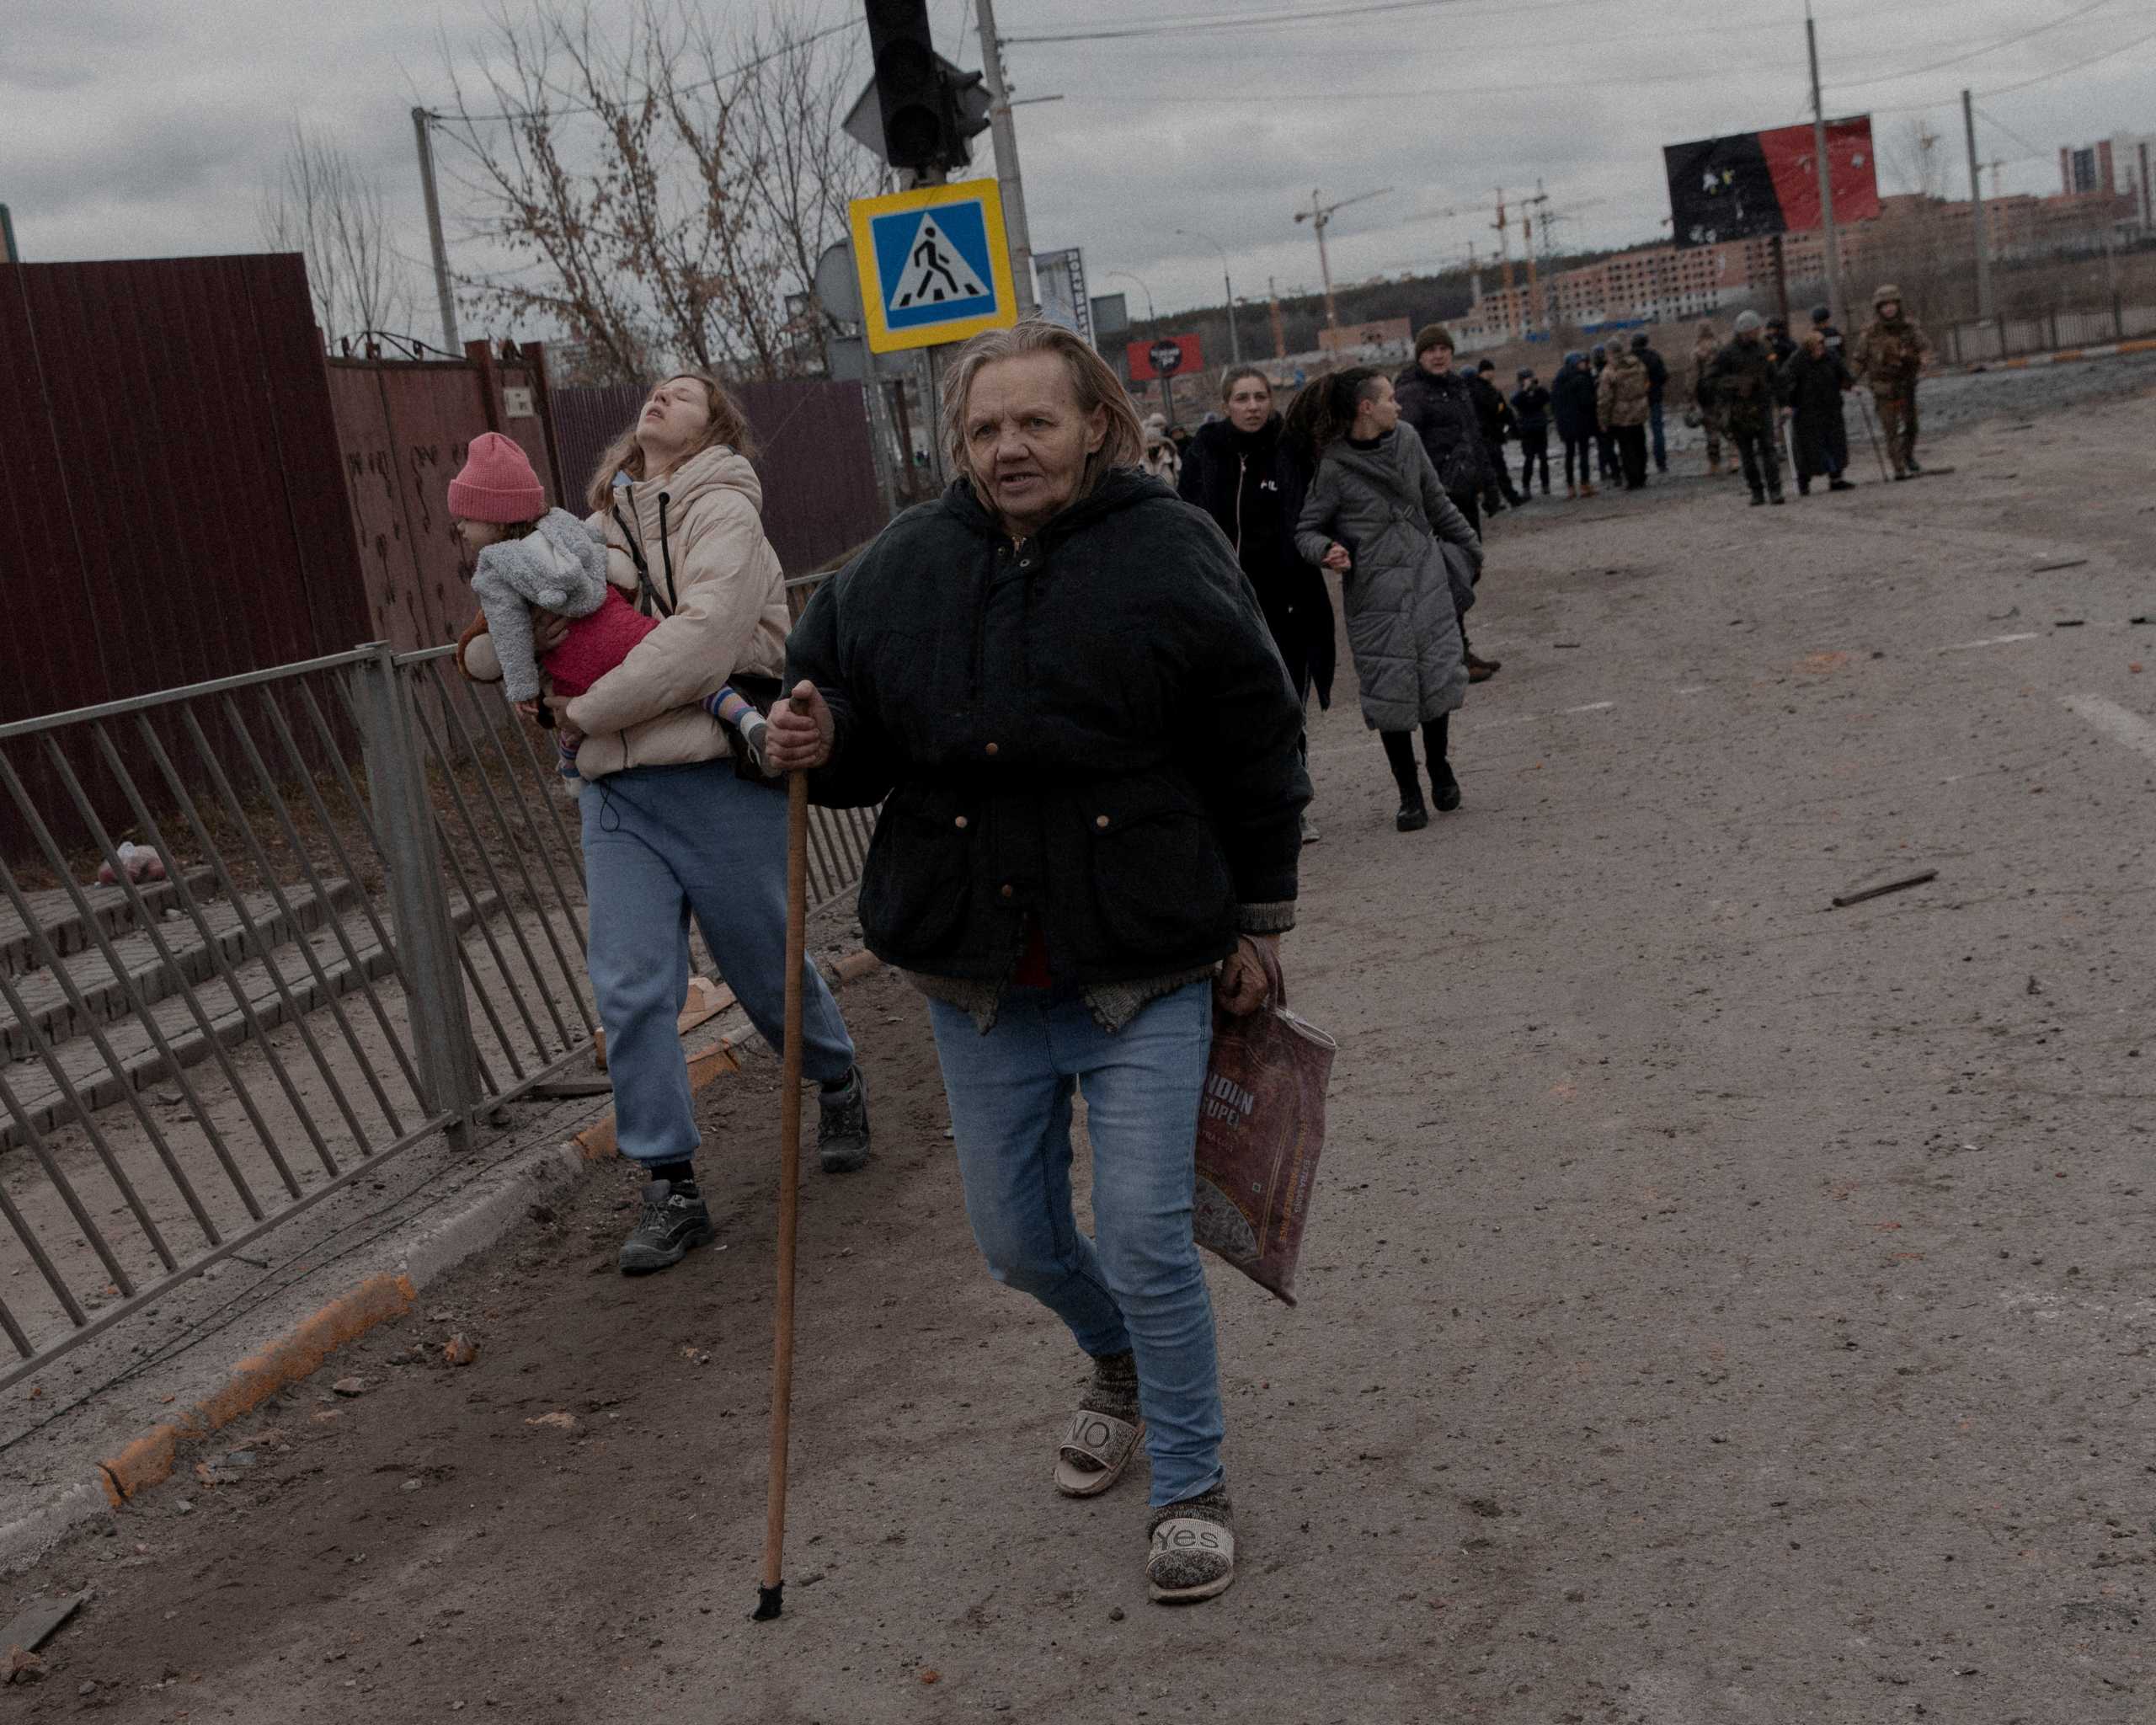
column 497, row 483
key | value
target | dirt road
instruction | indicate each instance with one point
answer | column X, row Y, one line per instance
column 1722, row 1309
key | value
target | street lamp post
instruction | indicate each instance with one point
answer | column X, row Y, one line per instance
column 1125, row 275
column 1235, row 339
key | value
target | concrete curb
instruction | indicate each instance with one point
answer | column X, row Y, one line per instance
column 302, row 1350
column 2065, row 356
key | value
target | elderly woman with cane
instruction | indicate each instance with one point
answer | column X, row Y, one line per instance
column 1059, row 684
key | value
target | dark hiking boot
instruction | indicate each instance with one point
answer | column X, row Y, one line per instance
column 1804, row 488
column 1776, row 497
column 1758, row 498
column 1839, row 485
column 1413, row 816
column 675, row 1219
column 842, row 1127
column 1912, row 466
column 1480, row 671
column 1444, row 789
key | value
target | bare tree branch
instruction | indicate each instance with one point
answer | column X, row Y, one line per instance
column 321, row 205
column 664, row 187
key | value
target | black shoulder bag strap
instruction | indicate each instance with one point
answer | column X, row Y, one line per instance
column 653, row 605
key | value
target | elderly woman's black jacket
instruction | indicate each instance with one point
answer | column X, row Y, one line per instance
column 1092, row 726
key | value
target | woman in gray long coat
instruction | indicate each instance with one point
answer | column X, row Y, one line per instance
column 1376, row 514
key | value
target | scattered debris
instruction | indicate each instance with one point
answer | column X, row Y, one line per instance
column 2068, row 622
column 350, row 1386
column 1562, row 645
column 1892, row 886
column 458, row 1351
column 2034, row 987
column 24, row 1667
column 2000, row 616
column 558, row 1421
column 33, row 1626
column 2062, row 563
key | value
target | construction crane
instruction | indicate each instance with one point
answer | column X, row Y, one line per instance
column 1319, row 214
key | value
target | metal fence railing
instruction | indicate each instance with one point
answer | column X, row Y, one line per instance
column 370, row 930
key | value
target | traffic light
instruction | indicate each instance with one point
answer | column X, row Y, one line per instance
column 967, row 95
column 930, row 108
column 909, row 86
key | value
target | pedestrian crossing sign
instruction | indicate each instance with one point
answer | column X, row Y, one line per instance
column 934, row 266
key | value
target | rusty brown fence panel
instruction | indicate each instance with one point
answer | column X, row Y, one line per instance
column 814, row 456
column 169, row 494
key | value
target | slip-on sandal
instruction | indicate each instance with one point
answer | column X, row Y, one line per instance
column 1102, row 1439
column 1190, row 1558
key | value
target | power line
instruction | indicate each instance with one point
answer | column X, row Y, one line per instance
column 1210, row 23
column 2039, row 78
column 2036, row 150
column 1974, row 54
column 709, row 83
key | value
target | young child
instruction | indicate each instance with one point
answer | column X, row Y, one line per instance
column 529, row 557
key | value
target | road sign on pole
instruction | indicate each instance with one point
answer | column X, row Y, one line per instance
column 934, row 266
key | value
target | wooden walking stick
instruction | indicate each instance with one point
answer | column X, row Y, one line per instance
column 771, row 1593
column 1864, row 408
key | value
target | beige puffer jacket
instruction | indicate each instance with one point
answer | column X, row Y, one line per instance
column 729, row 616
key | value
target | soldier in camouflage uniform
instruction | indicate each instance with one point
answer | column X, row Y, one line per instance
column 1888, row 356
column 1621, row 406
column 1743, row 377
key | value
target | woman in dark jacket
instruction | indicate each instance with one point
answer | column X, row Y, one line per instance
column 1572, row 405
column 1240, row 472
column 1438, row 406
column 1813, row 379
column 1058, row 684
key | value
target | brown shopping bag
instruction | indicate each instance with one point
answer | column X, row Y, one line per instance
column 1260, row 1130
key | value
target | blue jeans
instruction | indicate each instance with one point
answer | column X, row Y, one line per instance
column 662, row 844
column 1660, row 448
column 1138, row 1285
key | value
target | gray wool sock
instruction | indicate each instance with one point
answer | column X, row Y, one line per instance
column 1176, row 1569
column 1113, row 1389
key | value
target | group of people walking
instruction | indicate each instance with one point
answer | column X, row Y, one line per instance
column 1084, row 852
column 1081, row 703
column 1745, row 389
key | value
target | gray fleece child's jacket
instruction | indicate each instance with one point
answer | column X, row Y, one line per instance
column 561, row 566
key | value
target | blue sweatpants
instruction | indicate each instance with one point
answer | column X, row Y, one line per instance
column 662, row 844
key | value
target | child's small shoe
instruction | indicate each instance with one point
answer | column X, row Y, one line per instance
column 756, row 735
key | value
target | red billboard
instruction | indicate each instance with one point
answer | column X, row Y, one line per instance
column 1167, row 357
column 1760, row 183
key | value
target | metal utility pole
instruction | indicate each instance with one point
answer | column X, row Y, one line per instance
column 1976, row 213
column 1235, row 340
column 1005, row 135
column 8, row 254
column 1826, row 176
column 421, row 120
column 1319, row 215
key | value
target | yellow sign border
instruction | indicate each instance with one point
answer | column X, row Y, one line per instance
column 882, row 339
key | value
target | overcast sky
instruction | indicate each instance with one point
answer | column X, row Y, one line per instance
column 132, row 128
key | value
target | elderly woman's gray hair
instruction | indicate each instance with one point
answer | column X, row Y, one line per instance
column 1092, row 384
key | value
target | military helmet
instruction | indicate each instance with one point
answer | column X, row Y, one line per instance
column 1822, row 314
column 1885, row 291
column 1747, row 322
